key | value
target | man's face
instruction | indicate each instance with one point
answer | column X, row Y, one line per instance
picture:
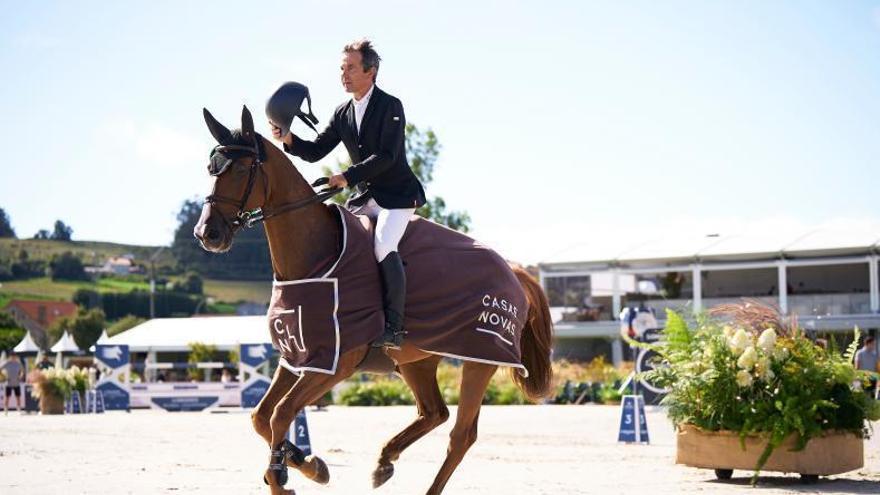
column 354, row 79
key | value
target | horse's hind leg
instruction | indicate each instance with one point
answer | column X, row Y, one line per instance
column 475, row 378
column 421, row 377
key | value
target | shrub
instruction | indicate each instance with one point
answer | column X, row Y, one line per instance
column 67, row 267
column 381, row 392
column 758, row 376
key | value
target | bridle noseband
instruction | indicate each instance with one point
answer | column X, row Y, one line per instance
column 249, row 218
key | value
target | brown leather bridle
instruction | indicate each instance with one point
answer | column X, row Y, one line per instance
column 248, row 218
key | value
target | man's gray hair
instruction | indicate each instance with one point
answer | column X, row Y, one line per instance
column 369, row 57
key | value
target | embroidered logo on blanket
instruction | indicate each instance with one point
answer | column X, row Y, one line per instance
column 304, row 325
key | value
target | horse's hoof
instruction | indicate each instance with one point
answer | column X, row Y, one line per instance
column 383, row 473
column 316, row 470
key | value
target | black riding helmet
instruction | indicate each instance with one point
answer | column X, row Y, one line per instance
column 286, row 103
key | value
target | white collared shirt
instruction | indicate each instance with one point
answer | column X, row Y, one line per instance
column 360, row 107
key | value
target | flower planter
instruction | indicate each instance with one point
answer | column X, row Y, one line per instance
column 51, row 404
column 831, row 453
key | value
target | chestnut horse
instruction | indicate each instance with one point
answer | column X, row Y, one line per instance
column 252, row 174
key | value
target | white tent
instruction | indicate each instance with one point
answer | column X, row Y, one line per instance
column 66, row 344
column 27, row 344
column 101, row 340
column 175, row 334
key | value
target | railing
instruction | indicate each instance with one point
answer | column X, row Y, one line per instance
column 830, row 304
column 801, row 305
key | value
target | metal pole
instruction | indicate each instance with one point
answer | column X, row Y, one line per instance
column 153, row 281
column 782, row 275
column 152, row 289
column 697, row 276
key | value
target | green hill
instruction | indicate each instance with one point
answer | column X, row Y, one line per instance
column 90, row 252
column 95, row 254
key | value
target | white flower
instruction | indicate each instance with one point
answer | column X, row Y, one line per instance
column 767, row 340
column 743, row 378
column 728, row 331
column 739, row 342
column 748, row 358
column 780, row 353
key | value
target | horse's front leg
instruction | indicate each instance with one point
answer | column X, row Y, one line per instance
column 307, row 389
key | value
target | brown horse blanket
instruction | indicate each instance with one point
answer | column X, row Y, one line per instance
column 463, row 300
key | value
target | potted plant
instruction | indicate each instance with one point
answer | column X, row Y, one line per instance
column 52, row 387
column 748, row 390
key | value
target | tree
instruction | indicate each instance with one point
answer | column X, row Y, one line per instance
column 42, row 234
column 67, row 267
column 191, row 283
column 85, row 327
column 200, row 353
column 422, row 151
column 6, row 229
column 248, row 260
column 62, row 232
column 10, row 332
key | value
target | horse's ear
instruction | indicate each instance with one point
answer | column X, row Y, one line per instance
column 247, row 122
column 220, row 133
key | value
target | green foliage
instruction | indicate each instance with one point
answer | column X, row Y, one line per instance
column 248, row 260
column 10, row 336
column 200, row 353
column 435, row 209
column 755, row 382
column 422, row 151
column 6, row 229
column 137, row 302
column 381, row 392
column 85, row 327
column 7, row 321
column 123, row 324
column 608, row 393
column 190, row 284
column 67, row 266
column 61, row 231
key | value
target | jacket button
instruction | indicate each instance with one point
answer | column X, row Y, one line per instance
column 360, row 146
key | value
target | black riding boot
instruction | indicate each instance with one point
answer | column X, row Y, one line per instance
column 394, row 295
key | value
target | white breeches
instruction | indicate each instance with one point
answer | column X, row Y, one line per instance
column 390, row 226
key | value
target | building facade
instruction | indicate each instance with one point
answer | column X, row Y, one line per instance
column 827, row 279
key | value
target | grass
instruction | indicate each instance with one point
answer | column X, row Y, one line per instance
column 91, row 252
column 223, row 291
column 96, row 253
column 233, row 291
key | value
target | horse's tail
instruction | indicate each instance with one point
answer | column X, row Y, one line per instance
column 536, row 341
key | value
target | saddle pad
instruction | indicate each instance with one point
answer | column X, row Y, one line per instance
column 463, row 300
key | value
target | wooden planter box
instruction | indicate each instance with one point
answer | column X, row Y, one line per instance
column 832, row 453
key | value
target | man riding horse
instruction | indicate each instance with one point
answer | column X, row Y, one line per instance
column 371, row 125
column 327, row 300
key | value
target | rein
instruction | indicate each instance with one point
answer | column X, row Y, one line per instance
column 249, row 218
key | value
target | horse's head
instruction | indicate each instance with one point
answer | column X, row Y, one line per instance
column 235, row 164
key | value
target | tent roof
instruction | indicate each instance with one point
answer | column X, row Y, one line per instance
column 27, row 344
column 789, row 243
column 66, row 344
column 175, row 334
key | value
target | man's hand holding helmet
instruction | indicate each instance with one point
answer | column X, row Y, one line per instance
column 276, row 133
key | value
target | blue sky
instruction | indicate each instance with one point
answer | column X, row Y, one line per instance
column 561, row 122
